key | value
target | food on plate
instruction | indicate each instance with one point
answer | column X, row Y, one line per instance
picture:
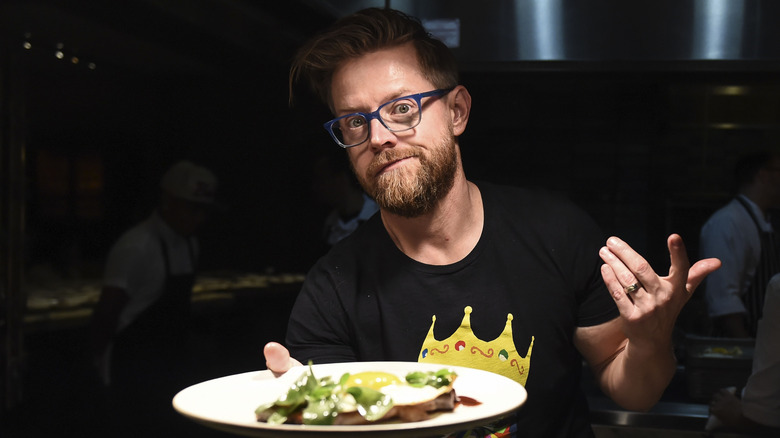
column 362, row 398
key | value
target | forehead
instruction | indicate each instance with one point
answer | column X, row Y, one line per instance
column 372, row 79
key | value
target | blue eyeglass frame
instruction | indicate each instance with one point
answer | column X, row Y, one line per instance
column 375, row 115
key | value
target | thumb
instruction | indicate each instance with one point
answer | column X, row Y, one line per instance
column 277, row 358
column 700, row 270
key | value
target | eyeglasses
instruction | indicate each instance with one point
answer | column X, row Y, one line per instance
column 396, row 115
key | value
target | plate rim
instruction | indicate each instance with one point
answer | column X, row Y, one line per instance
column 385, row 429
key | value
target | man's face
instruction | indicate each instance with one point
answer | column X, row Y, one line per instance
column 407, row 172
column 185, row 217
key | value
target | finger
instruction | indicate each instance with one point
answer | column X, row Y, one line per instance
column 624, row 276
column 680, row 264
column 699, row 271
column 622, row 300
column 617, row 276
column 631, row 266
column 277, row 358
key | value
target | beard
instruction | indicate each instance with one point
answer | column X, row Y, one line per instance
column 409, row 194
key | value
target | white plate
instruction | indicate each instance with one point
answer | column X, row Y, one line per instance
column 229, row 403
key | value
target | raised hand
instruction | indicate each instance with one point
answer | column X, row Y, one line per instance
column 649, row 304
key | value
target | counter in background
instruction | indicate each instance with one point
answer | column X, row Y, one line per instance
column 55, row 303
column 681, row 412
column 674, row 413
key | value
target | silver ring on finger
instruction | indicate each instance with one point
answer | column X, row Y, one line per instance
column 633, row 287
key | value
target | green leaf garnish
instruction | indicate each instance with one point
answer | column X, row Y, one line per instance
column 321, row 411
column 371, row 404
column 437, row 379
column 320, row 401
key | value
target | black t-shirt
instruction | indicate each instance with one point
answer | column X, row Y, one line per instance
column 535, row 267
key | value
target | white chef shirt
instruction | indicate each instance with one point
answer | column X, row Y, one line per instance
column 761, row 396
column 136, row 264
column 730, row 235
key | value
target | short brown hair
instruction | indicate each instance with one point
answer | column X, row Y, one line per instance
column 367, row 31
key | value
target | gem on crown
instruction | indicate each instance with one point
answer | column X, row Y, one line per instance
column 463, row 348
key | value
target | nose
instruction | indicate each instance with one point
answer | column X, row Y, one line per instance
column 379, row 137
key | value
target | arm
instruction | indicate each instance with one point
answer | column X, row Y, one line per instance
column 105, row 317
column 634, row 378
column 722, row 238
column 632, row 355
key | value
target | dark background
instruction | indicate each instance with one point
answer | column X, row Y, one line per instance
column 646, row 145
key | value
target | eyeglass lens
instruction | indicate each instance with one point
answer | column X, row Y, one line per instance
column 396, row 115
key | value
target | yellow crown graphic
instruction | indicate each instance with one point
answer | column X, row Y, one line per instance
column 463, row 348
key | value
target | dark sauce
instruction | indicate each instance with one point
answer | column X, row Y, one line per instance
column 467, row 401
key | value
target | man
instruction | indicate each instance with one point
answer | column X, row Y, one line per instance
column 140, row 324
column 443, row 246
column 741, row 236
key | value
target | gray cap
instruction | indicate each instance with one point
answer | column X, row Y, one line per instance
column 191, row 182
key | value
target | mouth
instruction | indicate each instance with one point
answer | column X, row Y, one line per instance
column 391, row 164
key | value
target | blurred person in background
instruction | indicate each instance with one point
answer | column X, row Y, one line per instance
column 740, row 234
column 756, row 409
column 141, row 322
column 334, row 185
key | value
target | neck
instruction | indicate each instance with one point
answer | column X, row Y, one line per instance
column 445, row 235
column 757, row 197
column 170, row 221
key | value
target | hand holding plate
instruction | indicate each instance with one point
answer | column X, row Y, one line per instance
column 277, row 358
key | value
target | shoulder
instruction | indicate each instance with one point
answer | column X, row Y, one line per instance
column 368, row 246
column 364, row 239
column 524, row 197
column 730, row 213
column 729, row 221
column 774, row 286
column 532, row 207
column 138, row 239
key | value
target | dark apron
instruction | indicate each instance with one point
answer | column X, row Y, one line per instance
column 767, row 267
column 151, row 356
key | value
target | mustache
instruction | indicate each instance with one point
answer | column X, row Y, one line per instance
column 388, row 156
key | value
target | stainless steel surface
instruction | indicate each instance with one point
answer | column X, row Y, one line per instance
column 676, row 412
column 664, row 415
column 506, row 31
column 601, row 431
column 229, row 36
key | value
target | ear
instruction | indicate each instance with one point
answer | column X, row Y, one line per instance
column 460, row 109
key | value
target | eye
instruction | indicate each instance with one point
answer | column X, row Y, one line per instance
column 354, row 122
column 403, row 108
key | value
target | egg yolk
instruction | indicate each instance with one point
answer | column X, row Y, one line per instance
column 372, row 379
